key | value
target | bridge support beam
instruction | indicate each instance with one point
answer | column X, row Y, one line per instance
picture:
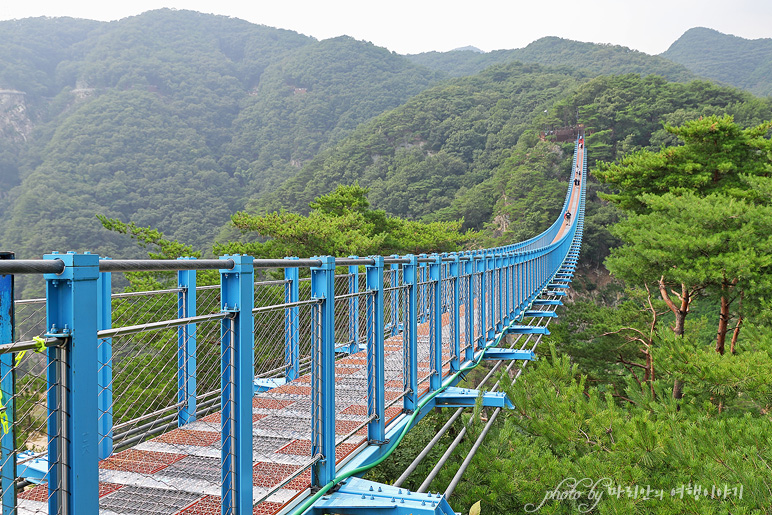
column 527, row 329
column 497, row 353
column 540, row 314
column 546, row 302
column 359, row 496
column 454, row 397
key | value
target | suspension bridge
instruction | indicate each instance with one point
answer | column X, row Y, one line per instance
column 272, row 390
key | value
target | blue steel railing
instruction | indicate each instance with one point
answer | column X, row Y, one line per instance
column 480, row 293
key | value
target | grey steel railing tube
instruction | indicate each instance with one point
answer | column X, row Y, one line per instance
column 409, row 470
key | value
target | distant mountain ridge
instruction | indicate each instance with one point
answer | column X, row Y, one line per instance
column 592, row 58
column 744, row 63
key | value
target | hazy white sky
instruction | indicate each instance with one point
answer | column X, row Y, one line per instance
column 413, row 26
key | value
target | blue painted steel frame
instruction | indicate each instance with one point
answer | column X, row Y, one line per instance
column 323, row 372
column 237, row 374
column 71, row 314
column 7, row 381
column 410, row 275
column 186, row 348
column 292, row 324
column 434, row 290
column 105, row 363
column 376, row 389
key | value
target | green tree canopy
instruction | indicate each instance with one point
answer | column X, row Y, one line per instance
column 341, row 223
column 715, row 153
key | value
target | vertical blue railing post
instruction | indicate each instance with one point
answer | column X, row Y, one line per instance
column 523, row 279
column 376, row 388
column 481, row 305
column 506, row 288
column 435, row 339
column 512, row 286
column 534, row 277
column 186, row 347
column 323, row 372
column 105, row 364
column 237, row 369
column 410, row 334
column 7, row 382
column 454, row 269
column 353, row 307
column 395, row 294
column 423, row 291
column 291, row 323
column 73, row 432
column 490, row 264
column 502, row 292
column 469, row 308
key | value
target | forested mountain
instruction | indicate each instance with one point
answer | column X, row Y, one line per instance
column 470, row 148
column 593, row 59
column 175, row 120
column 170, row 119
column 311, row 98
column 418, row 157
column 744, row 63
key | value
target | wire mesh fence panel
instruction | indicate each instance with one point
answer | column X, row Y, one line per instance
column 477, row 306
column 351, row 373
column 281, row 429
column 30, row 318
column 396, row 360
column 464, row 313
column 208, row 369
column 28, row 423
column 497, row 296
column 270, row 337
column 143, row 307
column 490, row 291
column 448, row 319
column 159, row 467
column 207, row 299
column 426, row 338
column 144, row 367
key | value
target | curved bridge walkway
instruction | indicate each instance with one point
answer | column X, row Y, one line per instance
column 269, row 392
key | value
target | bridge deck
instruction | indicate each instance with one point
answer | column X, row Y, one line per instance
column 576, row 190
column 178, row 473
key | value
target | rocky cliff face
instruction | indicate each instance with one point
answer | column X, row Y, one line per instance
column 15, row 123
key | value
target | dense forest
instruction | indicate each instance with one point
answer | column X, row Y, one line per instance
column 149, row 118
column 152, row 117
